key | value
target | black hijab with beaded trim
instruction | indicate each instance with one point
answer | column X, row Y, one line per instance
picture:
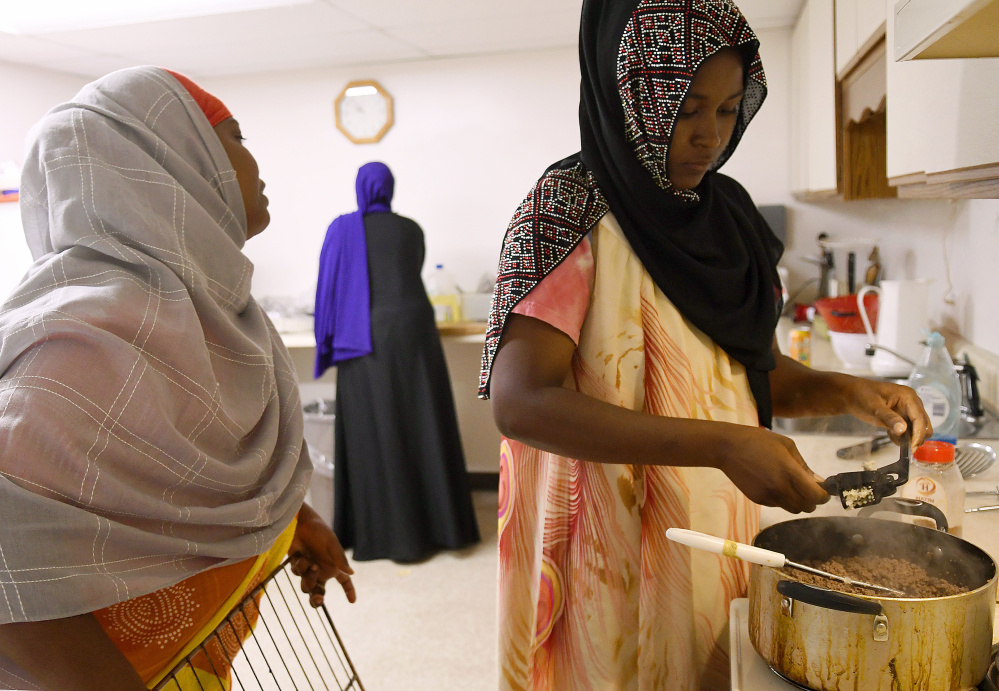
column 707, row 249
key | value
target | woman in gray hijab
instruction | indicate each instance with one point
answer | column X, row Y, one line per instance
column 152, row 465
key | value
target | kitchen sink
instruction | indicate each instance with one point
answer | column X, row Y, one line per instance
column 847, row 425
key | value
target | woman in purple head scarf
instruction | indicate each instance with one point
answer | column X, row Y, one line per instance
column 401, row 490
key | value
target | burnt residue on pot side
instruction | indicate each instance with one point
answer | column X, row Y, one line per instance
column 934, row 644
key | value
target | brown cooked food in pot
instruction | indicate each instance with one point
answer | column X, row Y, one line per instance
column 900, row 574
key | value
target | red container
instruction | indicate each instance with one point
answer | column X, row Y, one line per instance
column 842, row 316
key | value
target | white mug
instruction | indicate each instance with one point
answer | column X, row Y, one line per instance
column 903, row 320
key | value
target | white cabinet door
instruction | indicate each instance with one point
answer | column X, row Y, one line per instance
column 871, row 16
column 847, row 36
column 933, row 29
column 943, row 115
column 857, row 24
column 813, row 101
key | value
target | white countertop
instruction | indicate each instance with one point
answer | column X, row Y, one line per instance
column 465, row 332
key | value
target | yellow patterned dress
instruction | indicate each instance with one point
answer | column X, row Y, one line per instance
column 592, row 595
column 156, row 631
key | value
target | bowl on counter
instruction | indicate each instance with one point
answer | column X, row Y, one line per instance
column 842, row 314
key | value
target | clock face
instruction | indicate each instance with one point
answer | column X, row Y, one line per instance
column 364, row 112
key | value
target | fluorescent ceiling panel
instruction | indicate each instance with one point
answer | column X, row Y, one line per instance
column 45, row 16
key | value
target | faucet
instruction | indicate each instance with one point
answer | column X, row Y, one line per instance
column 971, row 401
column 826, row 265
column 871, row 347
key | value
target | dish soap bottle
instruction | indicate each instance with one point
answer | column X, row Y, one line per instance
column 937, row 385
column 935, row 478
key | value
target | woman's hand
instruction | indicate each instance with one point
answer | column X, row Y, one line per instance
column 891, row 406
column 800, row 391
column 316, row 556
column 769, row 470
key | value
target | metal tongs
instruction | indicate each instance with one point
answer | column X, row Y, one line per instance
column 866, row 487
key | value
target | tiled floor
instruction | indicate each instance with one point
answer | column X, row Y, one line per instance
column 426, row 626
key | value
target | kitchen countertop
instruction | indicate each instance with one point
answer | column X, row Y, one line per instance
column 819, row 451
column 474, row 332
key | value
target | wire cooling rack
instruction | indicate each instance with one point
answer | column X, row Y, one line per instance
column 291, row 646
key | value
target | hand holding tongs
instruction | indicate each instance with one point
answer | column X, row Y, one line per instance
column 763, row 557
column 866, row 487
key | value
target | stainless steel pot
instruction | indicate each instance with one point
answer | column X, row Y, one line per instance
column 831, row 641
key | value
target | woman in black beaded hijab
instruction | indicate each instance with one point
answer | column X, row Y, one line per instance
column 631, row 361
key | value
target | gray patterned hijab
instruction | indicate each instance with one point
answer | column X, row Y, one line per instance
column 150, row 425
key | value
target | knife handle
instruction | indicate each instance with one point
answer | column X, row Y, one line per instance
column 864, row 448
column 880, row 442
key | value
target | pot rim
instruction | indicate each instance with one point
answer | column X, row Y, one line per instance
column 959, row 543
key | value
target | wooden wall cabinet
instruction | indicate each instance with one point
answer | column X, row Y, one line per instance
column 863, row 127
column 838, row 152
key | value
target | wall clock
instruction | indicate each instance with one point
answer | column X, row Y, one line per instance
column 363, row 111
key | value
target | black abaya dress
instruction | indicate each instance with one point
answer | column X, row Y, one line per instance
column 400, row 485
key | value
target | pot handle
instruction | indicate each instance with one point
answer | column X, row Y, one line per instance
column 908, row 507
column 827, row 599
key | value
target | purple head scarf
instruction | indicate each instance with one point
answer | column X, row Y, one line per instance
column 343, row 295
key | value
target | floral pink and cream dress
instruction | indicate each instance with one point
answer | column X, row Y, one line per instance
column 592, row 595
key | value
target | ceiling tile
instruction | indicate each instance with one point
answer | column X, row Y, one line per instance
column 253, row 28
column 287, row 52
column 327, row 33
column 397, row 13
column 37, row 51
column 496, row 34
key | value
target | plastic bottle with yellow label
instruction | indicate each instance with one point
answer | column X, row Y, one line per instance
column 936, row 479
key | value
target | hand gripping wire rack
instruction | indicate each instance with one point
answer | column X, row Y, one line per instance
column 292, row 646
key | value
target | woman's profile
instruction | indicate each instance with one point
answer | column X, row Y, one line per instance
column 152, row 464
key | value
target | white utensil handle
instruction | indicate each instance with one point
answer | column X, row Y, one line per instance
column 710, row 543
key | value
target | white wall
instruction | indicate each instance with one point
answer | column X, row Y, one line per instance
column 954, row 243
column 25, row 95
column 470, row 138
